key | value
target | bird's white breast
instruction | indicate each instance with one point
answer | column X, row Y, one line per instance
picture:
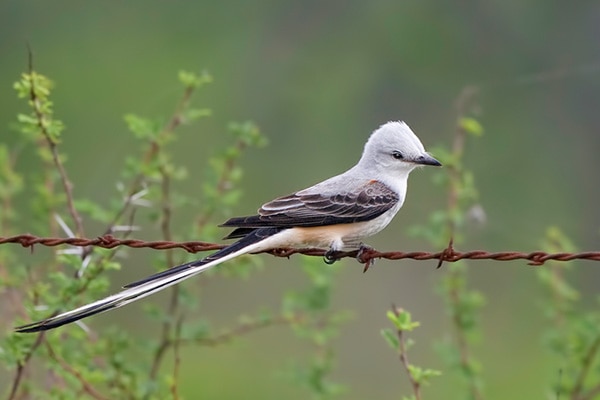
column 337, row 237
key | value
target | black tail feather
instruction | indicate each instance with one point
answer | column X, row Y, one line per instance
column 156, row 282
column 239, row 233
column 255, row 235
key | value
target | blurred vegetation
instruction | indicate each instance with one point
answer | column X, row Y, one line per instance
column 317, row 78
column 101, row 365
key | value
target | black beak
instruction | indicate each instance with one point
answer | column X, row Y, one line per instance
column 427, row 160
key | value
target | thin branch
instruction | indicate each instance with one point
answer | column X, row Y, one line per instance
column 461, row 339
column 67, row 185
column 586, row 364
column 462, row 103
column 177, row 360
column 462, row 107
column 174, row 301
column 7, row 199
column 174, row 122
column 240, row 330
column 591, row 394
column 222, row 183
column 21, row 367
column 28, row 355
column 222, row 338
column 403, row 355
column 85, row 385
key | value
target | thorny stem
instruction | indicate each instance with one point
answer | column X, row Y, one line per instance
column 168, row 130
column 462, row 104
column 559, row 300
column 21, row 367
column 403, row 355
column 152, row 153
column 222, row 187
column 41, row 337
column 7, row 202
column 222, row 338
column 67, row 185
column 558, row 297
column 222, row 184
column 35, row 103
column 461, row 339
column 241, row 330
column 13, row 296
column 176, row 119
column 174, row 301
column 87, row 386
column 576, row 393
column 557, row 277
column 177, row 360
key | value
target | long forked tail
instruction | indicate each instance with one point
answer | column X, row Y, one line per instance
column 154, row 283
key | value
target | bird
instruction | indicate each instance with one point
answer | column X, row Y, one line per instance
column 335, row 214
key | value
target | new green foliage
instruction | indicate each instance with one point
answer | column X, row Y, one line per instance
column 107, row 362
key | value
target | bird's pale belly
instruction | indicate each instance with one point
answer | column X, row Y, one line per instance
column 341, row 236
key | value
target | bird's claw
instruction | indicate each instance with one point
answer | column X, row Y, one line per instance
column 330, row 257
column 360, row 256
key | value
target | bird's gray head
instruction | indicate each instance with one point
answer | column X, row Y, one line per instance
column 394, row 148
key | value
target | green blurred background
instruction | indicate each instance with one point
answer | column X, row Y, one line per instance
column 318, row 77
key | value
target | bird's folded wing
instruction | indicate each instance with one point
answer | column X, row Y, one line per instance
column 312, row 209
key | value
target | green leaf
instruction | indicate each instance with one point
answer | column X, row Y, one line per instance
column 391, row 338
column 142, row 128
column 193, row 114
column 402, row 320
column 422, row 376
column 471, row 126
column 190, row 79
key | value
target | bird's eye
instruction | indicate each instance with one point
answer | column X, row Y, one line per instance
column 397, row 155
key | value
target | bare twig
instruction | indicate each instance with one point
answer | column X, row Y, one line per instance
column 152, row 153
column 463, row 104
column 222, row 184
column 177, row 360
column 7, row 199
column 458, row 144
column 240, row 330
column 174, row 301
column 67, row 185
column 176, row 119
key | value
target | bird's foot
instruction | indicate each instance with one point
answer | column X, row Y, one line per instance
column 331, row 256
column 361, row 256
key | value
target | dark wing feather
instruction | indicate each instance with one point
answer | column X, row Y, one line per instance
column 306, row 210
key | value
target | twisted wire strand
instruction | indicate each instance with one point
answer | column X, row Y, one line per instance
column 365, row 255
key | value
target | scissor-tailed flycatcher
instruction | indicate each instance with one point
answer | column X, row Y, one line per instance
column 335, row 214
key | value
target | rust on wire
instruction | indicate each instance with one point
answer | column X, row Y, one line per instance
column 449, row 254
column 109, row 242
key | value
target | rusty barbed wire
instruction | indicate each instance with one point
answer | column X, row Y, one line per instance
column 366, row 255
column 109, row 242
